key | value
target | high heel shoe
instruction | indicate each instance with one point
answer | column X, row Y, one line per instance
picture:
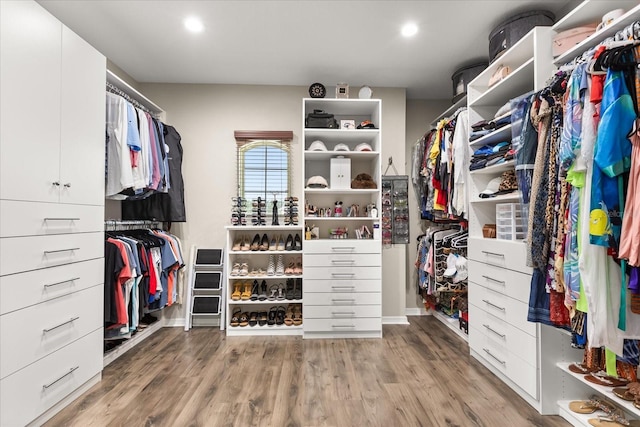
column 297, row 269
column 255, row 290
column 237, row 293
column 246, row 293
column 280, row 266
column 236, row 245
column 255, row 244
column 290, row 269
column 271, row 267
column 264, row 243
column 245, row 244
column 297, row 243
column 288, row 246
column 263, row 291
column 280, row 246
column 273, row 244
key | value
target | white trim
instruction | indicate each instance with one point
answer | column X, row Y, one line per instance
column 395, row 320
column 177, row 322
column 132, row 342
column 416, row 311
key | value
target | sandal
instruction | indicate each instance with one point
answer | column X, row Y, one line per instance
column 253, row 318
column 290, row 289
column 290, row 268
column 297, row 289
column 288, row 318
column 272, row 316
column 246, row 293
column 235, row 318
column 280, row 295
column 235, row 296
column 262, row 318
column 273, row 292
column 244, row 319
column 297, row 315
column 254, row 291
column 297, row 270
column 601, row 378
column 624, row 394
column 581, row 368
column 235, row 271
column 280, row 315
column 263, row 291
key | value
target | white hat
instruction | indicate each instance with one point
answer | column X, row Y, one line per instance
column 317, row 145
column 451, row 266
column 461, row 269
column 493, row 187
column 317, row 182
column 341, row 147
column 363, row 147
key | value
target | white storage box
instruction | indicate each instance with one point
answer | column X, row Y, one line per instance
column 510, row 225
column 340, row 173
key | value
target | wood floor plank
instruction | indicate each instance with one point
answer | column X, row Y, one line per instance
column 417, row 375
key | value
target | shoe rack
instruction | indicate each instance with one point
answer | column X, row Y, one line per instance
column 264, row 280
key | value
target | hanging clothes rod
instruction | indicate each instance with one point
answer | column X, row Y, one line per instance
column 111, row 88
column 131, row 94
column 119, row 225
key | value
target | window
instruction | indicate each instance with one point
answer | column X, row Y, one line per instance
column 264, row 166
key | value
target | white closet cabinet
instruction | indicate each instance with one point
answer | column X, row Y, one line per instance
column 49, row 125
column 52, row 214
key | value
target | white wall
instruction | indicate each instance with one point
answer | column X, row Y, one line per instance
column 206, row 117
column 420, row 114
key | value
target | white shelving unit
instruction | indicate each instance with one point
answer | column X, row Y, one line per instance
column 255, row 260
column 343, row 289
column 462, row 102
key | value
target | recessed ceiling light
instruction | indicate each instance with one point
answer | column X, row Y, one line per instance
column 193, row 24
column 409, row 30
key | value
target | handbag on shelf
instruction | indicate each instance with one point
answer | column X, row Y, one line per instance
column 321, row 119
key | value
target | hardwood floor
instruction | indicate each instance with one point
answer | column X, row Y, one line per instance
column 417, row 375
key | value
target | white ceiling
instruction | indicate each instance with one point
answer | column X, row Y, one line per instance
column 295, row 42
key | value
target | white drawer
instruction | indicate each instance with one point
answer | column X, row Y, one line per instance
column 342, row 260
column 342, row 298
column 31, row 253
column 517, row 370
column 35, row 218
column 28, row 393
column 329, row 246
column 513, row 339
column 343, row 273
column 36, row 331
column 342, row 325
column 512, row 283
column 21, row 290
column 341, row 286
column 501, row 253
column 501, row 306
column 341, row 312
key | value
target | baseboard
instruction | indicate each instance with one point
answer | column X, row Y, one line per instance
column 395, row 320
column 174, row 323
column 416, row 311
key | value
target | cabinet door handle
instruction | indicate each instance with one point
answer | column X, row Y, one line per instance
column 343, row 326
column 73, row 319
column 56, row 183
column 501, row 282
column 71, row 371
column 502, row 362
column 343, row 300
column 493, row 305
column 48, row 285
column 494, row 331
column 493, row 254
column 62, row 219
column 67, row 185
column 343, row 261
column 61, row 250
column 343, row 313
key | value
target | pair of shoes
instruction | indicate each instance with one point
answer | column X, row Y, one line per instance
column 294, row 268
column 276, row 243
column 293, row 243
column 239, row 318
column 259, row 244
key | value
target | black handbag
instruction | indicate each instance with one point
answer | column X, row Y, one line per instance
column 320, row 119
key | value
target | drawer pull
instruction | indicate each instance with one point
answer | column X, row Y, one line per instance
column 493, row 305
column 342, row 274
column 494, row 331
column 62, row 219
column 61, row 250
column 345, row 300
column 343, row 326
column 491, row 279
column 61, row 283
column 342, row 287
column 67, row 185
column 502, row 362
column 493, row 254
column 71, row 371
column 73, row 319
column 343, row 261
column 343, row 313
column 345, row 248
column 55, row 184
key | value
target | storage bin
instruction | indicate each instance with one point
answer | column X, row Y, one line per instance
column 565, row 40
column 510, row 224
column 514, row 28
column 463, row 76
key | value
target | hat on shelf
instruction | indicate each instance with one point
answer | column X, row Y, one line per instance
column 341, row 147
column 366, row 125
column 317, row 182
column 363, row 147
column 317, row 145
column 451, row 266
column 461, row 269
column 506, row 183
